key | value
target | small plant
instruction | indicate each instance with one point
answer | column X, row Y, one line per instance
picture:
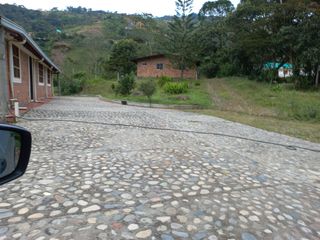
column 176, row 87
column 148, row 88
column 113, row 86
column 276, row 88
column 125, row 85
column 197, row 84
column 163, row 80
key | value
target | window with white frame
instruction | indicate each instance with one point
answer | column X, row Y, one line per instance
column 16, row 62
column 41, row 74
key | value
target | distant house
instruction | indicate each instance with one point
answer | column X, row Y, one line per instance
column 286, row 70
column 159, row 65
column 26, row 72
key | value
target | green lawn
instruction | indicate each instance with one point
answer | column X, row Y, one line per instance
column 274, row 108
column 197, row 95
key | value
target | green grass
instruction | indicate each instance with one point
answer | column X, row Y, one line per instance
column 197, row 95
column 301, row 129
column 256, row 98
column 273, row 108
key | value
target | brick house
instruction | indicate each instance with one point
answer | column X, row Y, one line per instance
column 26, row 72
column 159, row 65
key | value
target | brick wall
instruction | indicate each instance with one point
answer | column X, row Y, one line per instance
column 148, row 68
column 21, row 90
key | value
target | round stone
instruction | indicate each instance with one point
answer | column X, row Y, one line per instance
column 55, row 213
column 248, row 236
column 36, row 216
column 73, row 210
column 23, row 211
column 144, row 234
column 244, row 212
column 204, row 191
column 164, row 219
column 91, row 208
column 82, row 203
column 102, row 227
column 133, row 227
column 254, row 218
column 126, row 196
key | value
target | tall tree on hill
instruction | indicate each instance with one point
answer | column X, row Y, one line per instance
column 122, row 54
column 179, row 37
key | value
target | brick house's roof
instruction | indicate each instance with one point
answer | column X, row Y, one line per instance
column 148, row 57
column 29, row 43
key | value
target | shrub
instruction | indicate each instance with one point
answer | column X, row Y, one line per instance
column 163, row 80
column 73, row 84
column 303, row 83
column 125, row 84
column 276, row 88
column 197, row 84
column 176, row 87
column 226, row 70
column 148, row 88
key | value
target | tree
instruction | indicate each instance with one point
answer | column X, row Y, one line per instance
column 219, row 8
column 179, row 37
column 212, row 36
column 125, row 84
column 121, row 59
column 148, row 88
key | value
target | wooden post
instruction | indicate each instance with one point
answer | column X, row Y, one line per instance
column 59, row 84
column 3, row 77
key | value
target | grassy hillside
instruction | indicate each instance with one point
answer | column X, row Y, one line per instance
column 275, row 108
column 80, row 40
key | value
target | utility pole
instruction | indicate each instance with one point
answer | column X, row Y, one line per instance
column 3, row 77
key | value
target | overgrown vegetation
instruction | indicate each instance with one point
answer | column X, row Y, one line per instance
column 176, row 87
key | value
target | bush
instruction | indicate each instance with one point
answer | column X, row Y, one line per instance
column 176, row 87
column 73, row 84
column 226, row 70
column 197, row 84
column 163, row 80
column 303, row 83
column 148, row 88
column 125, row 85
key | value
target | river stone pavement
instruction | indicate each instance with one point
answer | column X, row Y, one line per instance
column 99, row 171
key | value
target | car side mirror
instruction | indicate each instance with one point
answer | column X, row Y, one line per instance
column 15, row 149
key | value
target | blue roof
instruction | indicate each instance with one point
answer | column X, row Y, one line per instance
column 275, row 65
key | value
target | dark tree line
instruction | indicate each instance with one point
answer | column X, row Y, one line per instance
column 227, row 41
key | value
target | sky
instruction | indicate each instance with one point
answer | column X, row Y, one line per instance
column 155, row 7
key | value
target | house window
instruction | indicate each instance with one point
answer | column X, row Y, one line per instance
column 16, row 62
column 41, row 75
column 160, row 66
column 49, row 77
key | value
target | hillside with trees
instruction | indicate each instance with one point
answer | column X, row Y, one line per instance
column 220, row 40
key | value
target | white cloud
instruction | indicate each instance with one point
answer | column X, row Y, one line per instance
column 155, row 7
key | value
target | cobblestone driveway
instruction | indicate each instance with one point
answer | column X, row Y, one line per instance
column 92, row 176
